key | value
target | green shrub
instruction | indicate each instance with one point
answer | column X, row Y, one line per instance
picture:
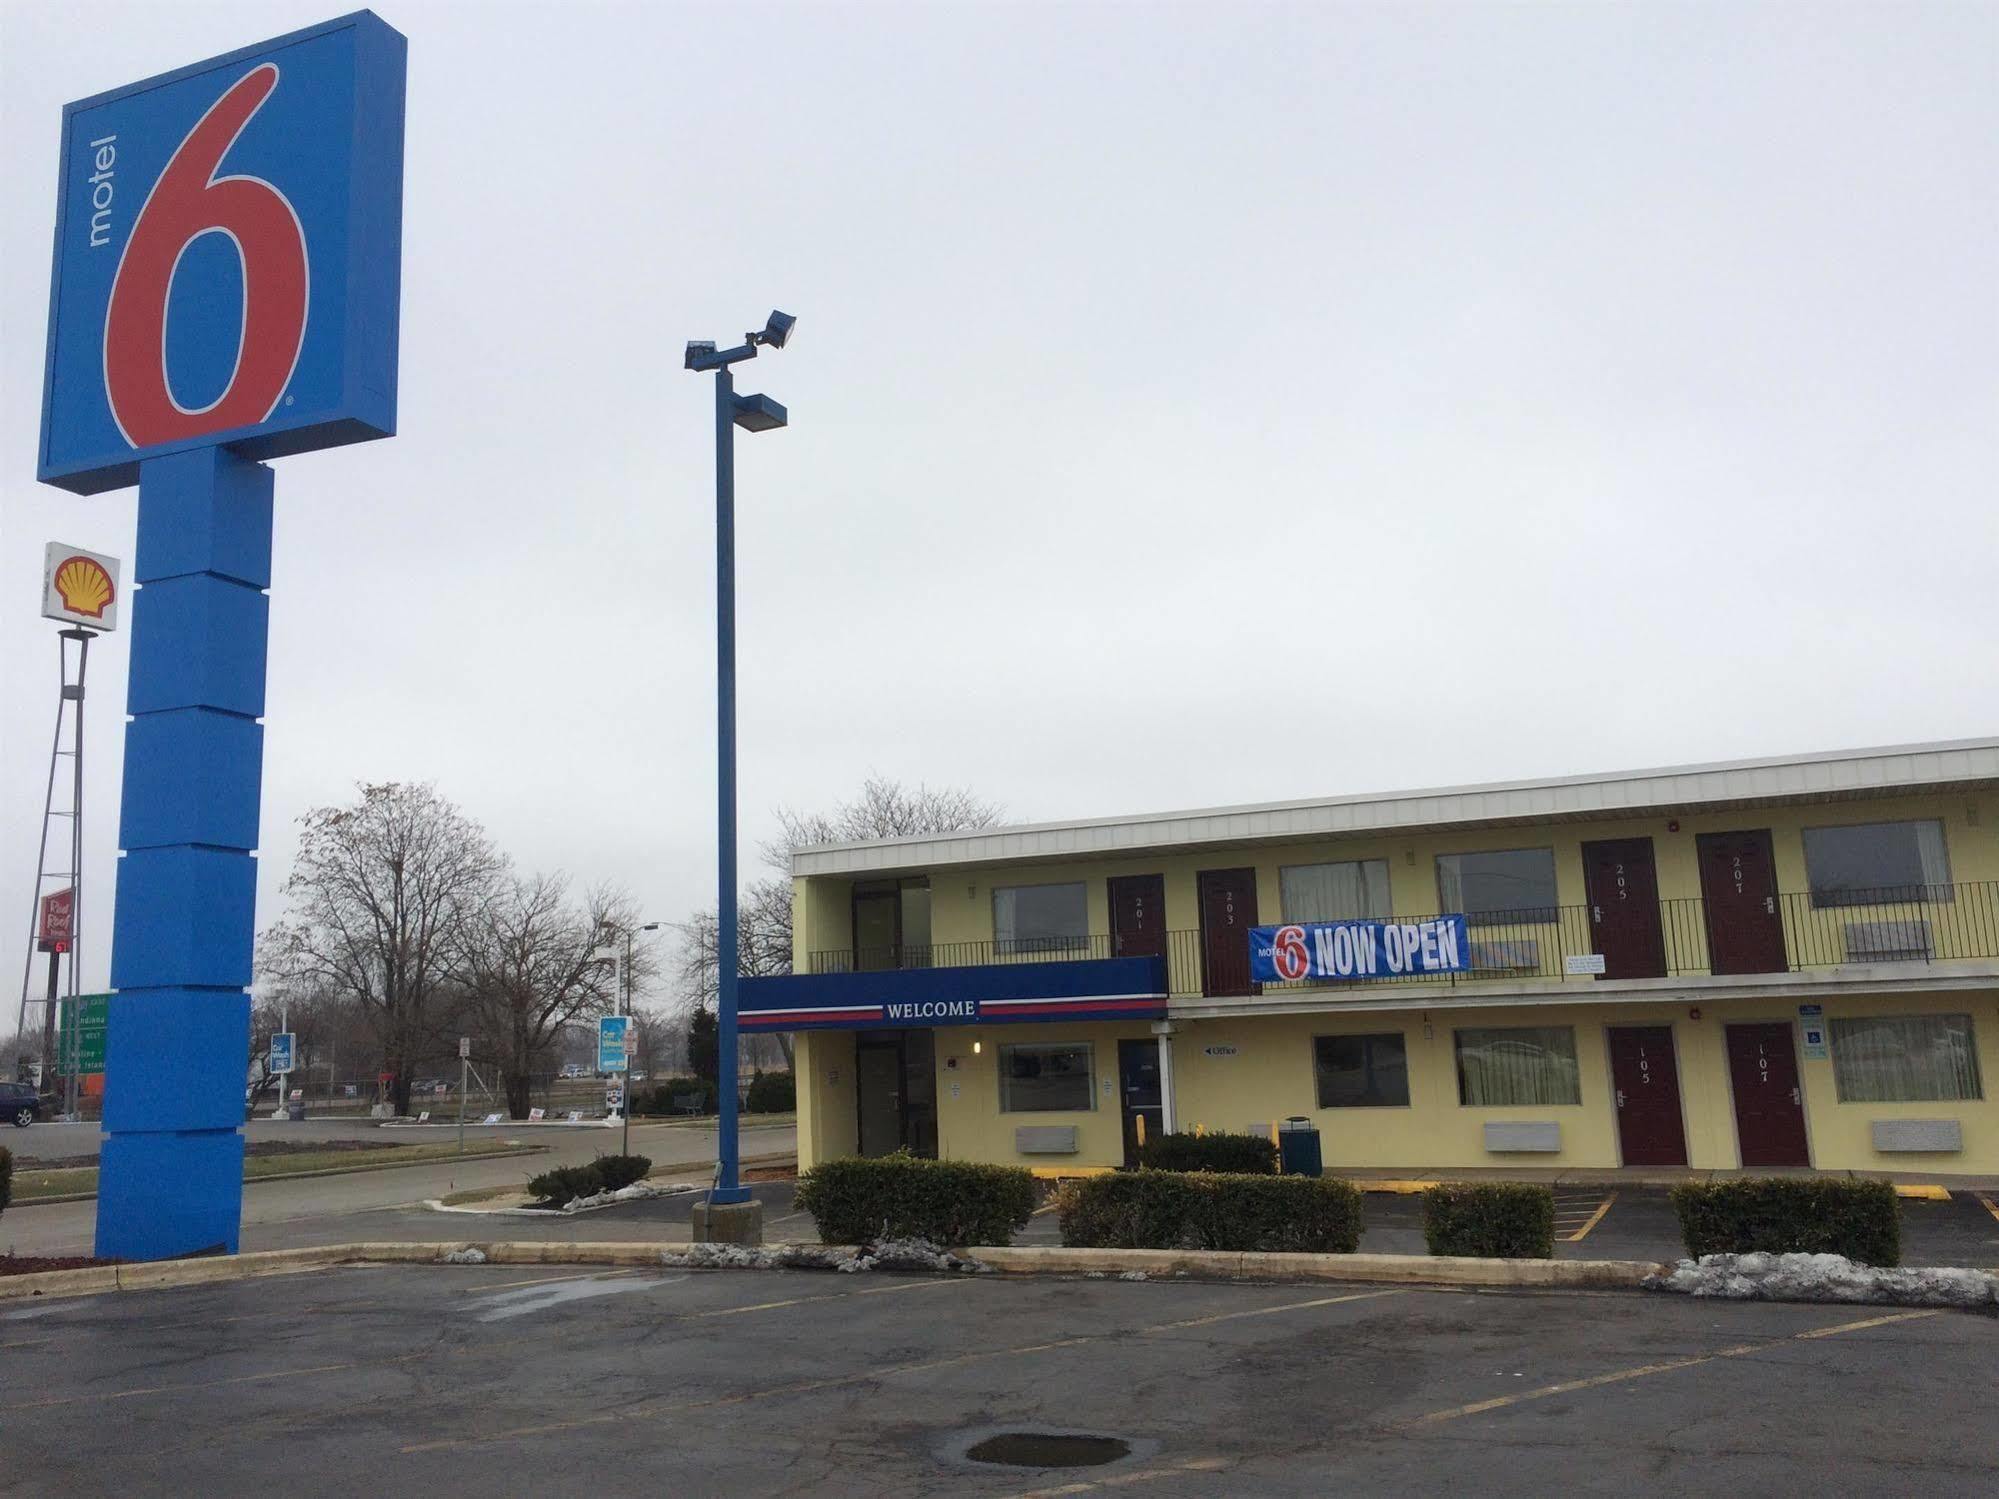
column 1786, row 1215
column 618, row 1171
column 559, row 1184
column 771, row 1093
column 900, row 1197
column 6, row 1178
column 1492, row 1220
column 608, row 1173
column 1239, row 1212
column 1242, row 1155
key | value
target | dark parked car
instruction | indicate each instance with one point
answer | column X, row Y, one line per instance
column 20, row 1103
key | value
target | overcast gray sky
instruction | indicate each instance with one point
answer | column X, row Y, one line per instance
column 1190, row 404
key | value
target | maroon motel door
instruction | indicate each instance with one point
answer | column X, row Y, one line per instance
column 1138, row 916
column 1745, row 933
column 1623, row 888
column 1228, row 911
column 1647, row 1080
column 1769, row 1109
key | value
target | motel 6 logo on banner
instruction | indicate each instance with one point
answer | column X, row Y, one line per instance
column 226, row 262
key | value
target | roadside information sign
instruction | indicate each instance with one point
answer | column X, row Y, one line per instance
column 613, row 1034
column 283, row 1045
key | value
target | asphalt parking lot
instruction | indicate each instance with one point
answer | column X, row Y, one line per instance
column 492, row 1380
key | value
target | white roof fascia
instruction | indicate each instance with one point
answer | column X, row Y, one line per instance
column 1887, row 770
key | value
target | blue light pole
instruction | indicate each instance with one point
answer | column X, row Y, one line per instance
column 757, row 413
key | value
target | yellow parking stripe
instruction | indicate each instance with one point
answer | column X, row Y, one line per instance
column 1594, row 1219
column 1990, row 1206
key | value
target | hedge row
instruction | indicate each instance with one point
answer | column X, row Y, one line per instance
column 1783, row 1215
column 1148, row 1209
column 1244, row 1155
column 952, row 1203
column 1490, row 1220
column 607, row 1173
column 768, row 1093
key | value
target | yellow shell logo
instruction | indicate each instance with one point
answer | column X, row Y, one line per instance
column 84, row 587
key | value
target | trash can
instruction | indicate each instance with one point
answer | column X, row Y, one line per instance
column 295, row 1112
column 1298, row 1147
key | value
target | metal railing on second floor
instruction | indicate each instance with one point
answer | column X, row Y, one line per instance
column 1673, row 938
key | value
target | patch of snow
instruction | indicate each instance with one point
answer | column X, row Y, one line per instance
column 1825, row 1277
column 466, row 1257
column 636, row 1192
column 1133, row 1275
column 893, row 1254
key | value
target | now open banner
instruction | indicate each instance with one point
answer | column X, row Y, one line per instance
column 1358, row 949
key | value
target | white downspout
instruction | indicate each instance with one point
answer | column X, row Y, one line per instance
column 1168, row 1117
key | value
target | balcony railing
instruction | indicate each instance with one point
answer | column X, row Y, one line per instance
column 1788, row 933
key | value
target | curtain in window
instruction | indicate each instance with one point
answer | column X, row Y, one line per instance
column 1450, row 883
column 1518, row 1065
column 1353, row 890
column 1929, row 848
column 1006, row 918
column 1905, row 1059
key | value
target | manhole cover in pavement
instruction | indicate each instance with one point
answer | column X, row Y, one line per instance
column 1048, row 1449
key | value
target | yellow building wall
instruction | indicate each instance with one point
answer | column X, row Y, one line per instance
column 1269, row 1077
column 961, row 899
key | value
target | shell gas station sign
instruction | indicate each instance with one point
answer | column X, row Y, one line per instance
column 79, row 587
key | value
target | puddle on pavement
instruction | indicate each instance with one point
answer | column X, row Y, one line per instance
column 1048, row 1449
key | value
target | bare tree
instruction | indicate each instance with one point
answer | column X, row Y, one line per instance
column 884, row 809
column 382, row 894
column 530, row 970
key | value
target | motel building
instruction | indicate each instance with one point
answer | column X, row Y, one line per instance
column 1786, row 963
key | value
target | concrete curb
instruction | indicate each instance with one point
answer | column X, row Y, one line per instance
column 1378, row 1269
column 550, row 1215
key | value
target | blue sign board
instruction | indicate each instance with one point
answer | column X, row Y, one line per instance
column 283, row 1048
column 983, row 994
column 613, row 1038
column 1358, row 949
column 227, row 258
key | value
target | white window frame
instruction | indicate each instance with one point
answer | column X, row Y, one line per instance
column 1089, row 1050
column 1846, row 1038
column 1056, row 946
column 1457, row 1063
column 1291, row 913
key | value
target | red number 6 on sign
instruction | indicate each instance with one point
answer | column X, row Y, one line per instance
column 187, row 202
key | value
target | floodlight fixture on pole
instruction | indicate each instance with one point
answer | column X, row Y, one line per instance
column 756, row 413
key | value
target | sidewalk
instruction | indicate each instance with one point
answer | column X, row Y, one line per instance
column 1648, row 1176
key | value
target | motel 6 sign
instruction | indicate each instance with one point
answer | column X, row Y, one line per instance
column 227, row 258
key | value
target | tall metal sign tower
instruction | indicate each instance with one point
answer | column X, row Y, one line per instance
column 80, row 590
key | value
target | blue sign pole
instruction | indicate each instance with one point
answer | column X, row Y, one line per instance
column 257, row 198
column 757, row 414
column 727, row 1188
column 170, row 1178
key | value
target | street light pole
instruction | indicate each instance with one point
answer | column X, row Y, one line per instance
column 756, row 414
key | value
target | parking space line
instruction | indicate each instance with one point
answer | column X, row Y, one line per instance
column 269, row 1376
column 539, row 1280
column 1985, row 1199
column 771, row 1306
column 1594, row 1219
column 869, row 1376
column 1643, row 1371
column 1140, row 1475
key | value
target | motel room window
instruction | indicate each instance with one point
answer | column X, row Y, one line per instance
column 1873, row 863
column 1041, row 918
column 1352, row 890
column 1528, row 1064
column 1361, row 1072
column 1905, row 1059
column 1512, row 886
column 1045, row 1077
